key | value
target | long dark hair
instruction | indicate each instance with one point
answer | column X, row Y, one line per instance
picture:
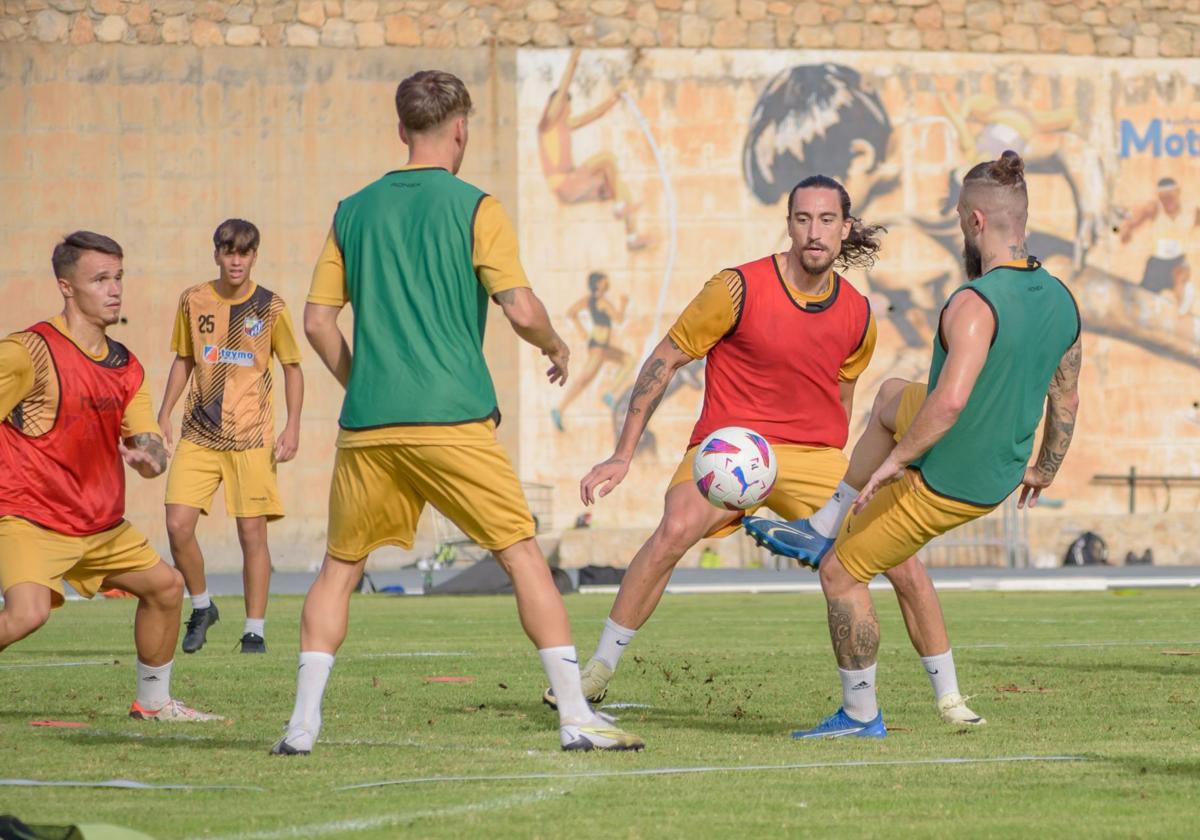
column 861, row 248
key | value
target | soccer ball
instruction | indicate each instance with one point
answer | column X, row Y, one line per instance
column 735, row 468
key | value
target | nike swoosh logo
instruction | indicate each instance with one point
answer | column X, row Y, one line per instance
column 837, row 733
column 572, row 661
column 621, row 644
column 931, row 673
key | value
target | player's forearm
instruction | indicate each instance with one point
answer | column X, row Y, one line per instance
column 293, row 393
column 177, row 378
column 1057, row 433
column 529, row 319
column 648, row 391
column 936, row 417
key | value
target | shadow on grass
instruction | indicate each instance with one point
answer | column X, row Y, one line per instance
column 1147, row 765
column 1168, row 667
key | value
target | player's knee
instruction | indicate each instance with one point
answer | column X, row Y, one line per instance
column 181, row 527
column 26, row 618
column 674, row 537
column 888, row 391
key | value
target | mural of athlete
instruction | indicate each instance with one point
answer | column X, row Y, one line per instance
column 1172, row 226
column 744, row 321
column 597, row 178
column 600, row 347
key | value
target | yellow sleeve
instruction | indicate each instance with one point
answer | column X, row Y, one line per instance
column 329, row 277
column 710, row 316
column 283, row 339
column 16, row 375
column 181, row 336
column 496, row 258
column 857, row 362
column 139, row 415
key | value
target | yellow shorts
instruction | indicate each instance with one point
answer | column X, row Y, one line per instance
column 903, row 516
column 249, row 476
column 31, row 554
column 807, row 477
column 378, row 493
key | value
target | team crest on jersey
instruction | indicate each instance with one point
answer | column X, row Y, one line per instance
column 253, row 326
column 224, row 356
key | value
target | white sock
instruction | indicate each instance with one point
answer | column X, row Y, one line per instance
column 562, row 669
column 153, row 685
column 255, row 626
column 311, row 677
column 828, row 520
column 613, row 640
column 942, row 675
column 201, row 601
column 858, row 694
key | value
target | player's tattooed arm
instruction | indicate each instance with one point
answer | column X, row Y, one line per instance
column 1062, row 406
column 146, row 453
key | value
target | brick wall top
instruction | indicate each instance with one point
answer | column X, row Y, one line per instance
column 1146, row 29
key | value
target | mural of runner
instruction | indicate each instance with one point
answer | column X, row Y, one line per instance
column 1172, row 227
column 602, row 348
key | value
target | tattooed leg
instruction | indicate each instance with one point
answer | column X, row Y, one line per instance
column 853, row 624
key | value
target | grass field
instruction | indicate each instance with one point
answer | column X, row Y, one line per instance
column 726, row 678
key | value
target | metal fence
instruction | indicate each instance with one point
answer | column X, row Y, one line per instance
column 1001, row 538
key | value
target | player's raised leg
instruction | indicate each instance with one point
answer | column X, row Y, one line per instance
column 808, row 540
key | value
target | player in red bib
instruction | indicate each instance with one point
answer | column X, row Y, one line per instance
column 73, row 406
column 786, row 339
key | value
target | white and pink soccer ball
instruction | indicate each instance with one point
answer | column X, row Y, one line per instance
column 735, row 468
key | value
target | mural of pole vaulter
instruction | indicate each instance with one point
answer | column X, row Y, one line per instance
column 711, row 142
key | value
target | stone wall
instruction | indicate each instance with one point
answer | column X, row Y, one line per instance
column 1145, row 29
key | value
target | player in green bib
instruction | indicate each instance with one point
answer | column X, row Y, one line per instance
column 936, row 456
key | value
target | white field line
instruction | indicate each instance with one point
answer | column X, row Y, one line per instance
column 126, row 784
column 339, row 827
column 58, row 664
column 349, row 742
column 979, row 584
column 736, row 768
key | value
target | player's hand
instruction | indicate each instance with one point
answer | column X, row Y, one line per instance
column 890, row 470
column 560, row 358
column 604, row 477
column 1032, row 486
column 164, row 423
column 287, row 445
column 142, row 462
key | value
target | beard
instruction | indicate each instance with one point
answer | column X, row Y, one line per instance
column 818, row 264
column 972, row 260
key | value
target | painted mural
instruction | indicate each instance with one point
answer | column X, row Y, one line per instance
column 643, row 174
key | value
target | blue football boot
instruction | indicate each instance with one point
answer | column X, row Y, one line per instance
column 795, row 539
column 841, row 725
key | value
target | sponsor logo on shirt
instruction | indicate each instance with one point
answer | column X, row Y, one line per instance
column 224, row 356
column 253, row 327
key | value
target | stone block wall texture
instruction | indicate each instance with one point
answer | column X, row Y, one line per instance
column 1144, row 29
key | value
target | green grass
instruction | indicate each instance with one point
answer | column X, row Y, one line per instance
column 727, row 678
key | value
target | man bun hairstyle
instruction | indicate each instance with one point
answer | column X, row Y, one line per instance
column 71, row 248
column 428, row 98
column 861, row 248
column 236, row 236
column 1007, row 171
